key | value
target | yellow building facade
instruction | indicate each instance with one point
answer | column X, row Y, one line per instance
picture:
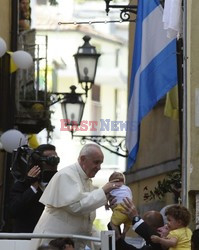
column 160, row 150
column 5, row 20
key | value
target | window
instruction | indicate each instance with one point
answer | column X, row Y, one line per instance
column 96, row 93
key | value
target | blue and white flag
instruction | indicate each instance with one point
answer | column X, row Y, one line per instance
column 154, row 70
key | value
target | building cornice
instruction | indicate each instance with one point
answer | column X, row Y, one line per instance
column 152, row 171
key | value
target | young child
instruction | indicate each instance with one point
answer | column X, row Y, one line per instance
column 118, row 217
column 179, row 236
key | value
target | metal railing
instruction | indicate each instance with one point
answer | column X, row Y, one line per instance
column 107, row 238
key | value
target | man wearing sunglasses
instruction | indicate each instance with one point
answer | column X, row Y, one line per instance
column 24, row 204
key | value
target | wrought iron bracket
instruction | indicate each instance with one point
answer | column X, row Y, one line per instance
column 59, row 96
column 125, row 10
column 117, row 143
column 56, row 97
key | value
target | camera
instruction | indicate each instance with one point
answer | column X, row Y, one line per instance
column 24, row 158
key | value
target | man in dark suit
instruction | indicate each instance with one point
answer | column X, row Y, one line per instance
column 24, row 204
column 151, row 224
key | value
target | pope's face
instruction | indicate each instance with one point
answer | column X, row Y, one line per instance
column 91, row 164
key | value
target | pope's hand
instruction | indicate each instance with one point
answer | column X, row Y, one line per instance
column 109, row 186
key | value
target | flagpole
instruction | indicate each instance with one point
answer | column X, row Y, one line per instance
column 184, row 135
column 179, row 47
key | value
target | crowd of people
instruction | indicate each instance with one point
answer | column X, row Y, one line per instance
column 65, row 201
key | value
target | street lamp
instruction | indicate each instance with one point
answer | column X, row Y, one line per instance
column 72, row 106
column 86, row 60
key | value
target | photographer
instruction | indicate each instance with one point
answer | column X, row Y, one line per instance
column 24, row 204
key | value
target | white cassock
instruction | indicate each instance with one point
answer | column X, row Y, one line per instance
column 70, row 202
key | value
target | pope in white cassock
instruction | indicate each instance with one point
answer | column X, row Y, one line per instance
column 70, row 198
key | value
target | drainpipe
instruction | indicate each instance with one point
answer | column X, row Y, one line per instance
column 184, row 135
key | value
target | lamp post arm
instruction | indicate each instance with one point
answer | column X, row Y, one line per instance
column 125, row 10
column 117, row 143
column 59, row 98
